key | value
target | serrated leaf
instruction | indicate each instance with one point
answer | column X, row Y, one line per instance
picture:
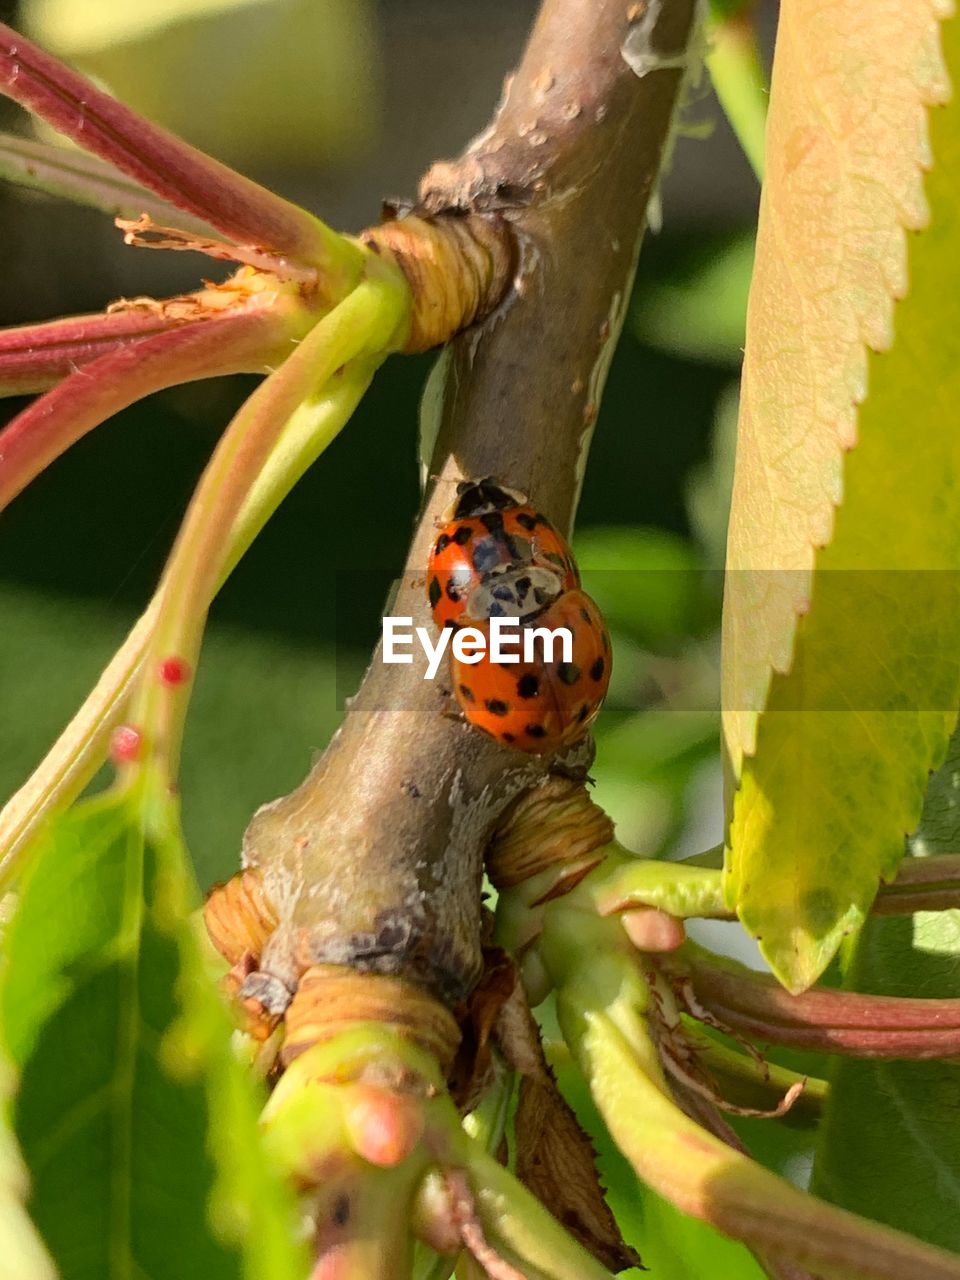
column 137, row 1123
column 857, row 604
column 938, row 830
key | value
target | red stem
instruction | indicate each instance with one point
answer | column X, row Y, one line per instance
column 922, row 884
column 242, row 210
column 233, row 343
column 825, row 1021
column 36, row 356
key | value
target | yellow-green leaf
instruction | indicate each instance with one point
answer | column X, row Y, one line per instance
column 136, row 1121
column 842, row 619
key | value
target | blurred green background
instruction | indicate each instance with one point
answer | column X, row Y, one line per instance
column 339, row 104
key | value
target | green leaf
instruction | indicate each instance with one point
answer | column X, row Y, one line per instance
column 889, row 1146
column 938, row 830
column 136, row 1121
column 890, row 1142
column 851, row 647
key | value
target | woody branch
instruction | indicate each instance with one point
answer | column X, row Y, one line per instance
column 375, row 860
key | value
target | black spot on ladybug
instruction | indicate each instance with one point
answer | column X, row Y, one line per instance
column 450, row 625
column 497, row 611
column 526, row 520
column 435, row 592
column 568, row 672
column 535, row 731
column 541, row 597
column 585, row 615
column 496, row 706
column 442, row 543
column 519, row 549
column 597, row 670
column 528, row 686
column 492, row 521
column 583, row 713
column 485, row 555
column 502, row 592
column 463, row 535
column 509, row 737
column 466, row 693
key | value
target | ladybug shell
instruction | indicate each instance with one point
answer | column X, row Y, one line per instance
column 541, row 706
column 488, row 528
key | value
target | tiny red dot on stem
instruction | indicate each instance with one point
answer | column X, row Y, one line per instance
column 126, row 743
column 173, row 671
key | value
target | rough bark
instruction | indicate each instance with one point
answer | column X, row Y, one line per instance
column 376, row 860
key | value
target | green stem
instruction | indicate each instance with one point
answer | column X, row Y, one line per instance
column 754, row 1083
column 366, row 321
column 245, row 340
column 623, row 881
column 736, row 70
column 602, row 998
column 487, row 1124
column 518, row 1226
column 81, row 749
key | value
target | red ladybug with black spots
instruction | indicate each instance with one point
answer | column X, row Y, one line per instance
column 490, row 528
column 547, row 704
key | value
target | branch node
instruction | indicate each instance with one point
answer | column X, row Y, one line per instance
column 458, row 270
column 555, row 825
column 332, row 998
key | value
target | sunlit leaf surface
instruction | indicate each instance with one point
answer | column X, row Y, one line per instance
column 844, row 544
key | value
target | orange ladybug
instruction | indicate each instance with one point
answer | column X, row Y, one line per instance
column 490, row 528
column 545, row 704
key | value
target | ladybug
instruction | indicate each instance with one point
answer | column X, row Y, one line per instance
column 543, row 705
column 490, row 528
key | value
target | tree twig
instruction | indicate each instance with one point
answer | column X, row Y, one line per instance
column 376, row 860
